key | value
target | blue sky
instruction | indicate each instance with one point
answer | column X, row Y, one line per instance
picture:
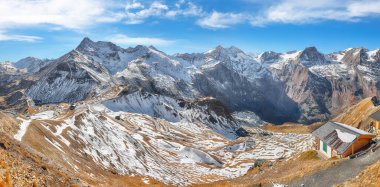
column 51, row 28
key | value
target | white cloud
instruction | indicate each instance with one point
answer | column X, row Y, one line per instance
column 364, row 8
column 155, row 9
column 21, row 38
column 217, row 20
column 133, row 5
column 190, row 9
column 73, row 14
column 56, row 14
column 80, row 14
column 126, row 40
column 139, row 13
column 300, row 11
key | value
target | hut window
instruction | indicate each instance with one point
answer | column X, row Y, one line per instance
column 324, row 147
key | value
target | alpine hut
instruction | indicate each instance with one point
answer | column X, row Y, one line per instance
column 335, row 139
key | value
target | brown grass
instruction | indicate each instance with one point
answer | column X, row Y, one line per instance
column 358, row 115
column 5, row 177
column 136, row 181
column 282, row 171
column 8, row 123
column 308, row 155
column 20, row 167
column 292, row 128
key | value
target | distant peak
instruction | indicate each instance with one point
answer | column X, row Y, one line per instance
column 310, row 56
column 231, row 49
column 141, row 48
column 85, row 44
column 269, row 56
column 311, row 49
column 357, row 49
column 235, row 49
column 87, row 40
column 219, row 47
column 29, row 58
column 355, row 56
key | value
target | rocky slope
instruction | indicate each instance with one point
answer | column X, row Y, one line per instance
column 70, row 78
column 298, row 86
column 20, row 166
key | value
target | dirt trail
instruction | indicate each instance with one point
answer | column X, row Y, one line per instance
column 339, row 173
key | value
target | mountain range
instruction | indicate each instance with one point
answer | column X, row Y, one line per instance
column 297, row 86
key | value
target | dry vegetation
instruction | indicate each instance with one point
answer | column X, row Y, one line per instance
column 136, row 182
column 279, row 172
column 370, row 177
column 8, row 123
column 358, row 115
column 20, row 167
column 292, row 128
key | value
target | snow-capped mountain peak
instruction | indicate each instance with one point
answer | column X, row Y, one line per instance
column 220, row 50
column 355, row 56
column 86, row 44
column 7, row 67
column 310, row 56
column 269, row 57
column 31, row 64
column 70, row 78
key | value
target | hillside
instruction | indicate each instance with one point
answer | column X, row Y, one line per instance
column 369, row 177
column 19, row 166
column 358, row 115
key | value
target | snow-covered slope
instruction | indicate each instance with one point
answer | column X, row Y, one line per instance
column 8, row 68
column 70, row 78
column 102, row 138
column 31, row 64
column 237, row 60
column 159, row 73
column 201, row 111
column 111, row 56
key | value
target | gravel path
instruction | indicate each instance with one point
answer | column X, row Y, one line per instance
column 339, row 173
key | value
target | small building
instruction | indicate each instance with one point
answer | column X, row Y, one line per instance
column 376, row 120
column 335, row 139
column 72, row 107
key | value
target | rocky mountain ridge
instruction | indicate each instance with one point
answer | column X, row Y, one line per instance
column 299, row 86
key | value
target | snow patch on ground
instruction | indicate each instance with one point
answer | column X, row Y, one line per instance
column 25, row 123
column 23, row 127
column 248, row 118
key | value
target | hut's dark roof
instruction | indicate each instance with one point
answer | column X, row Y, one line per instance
column 332, row 133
